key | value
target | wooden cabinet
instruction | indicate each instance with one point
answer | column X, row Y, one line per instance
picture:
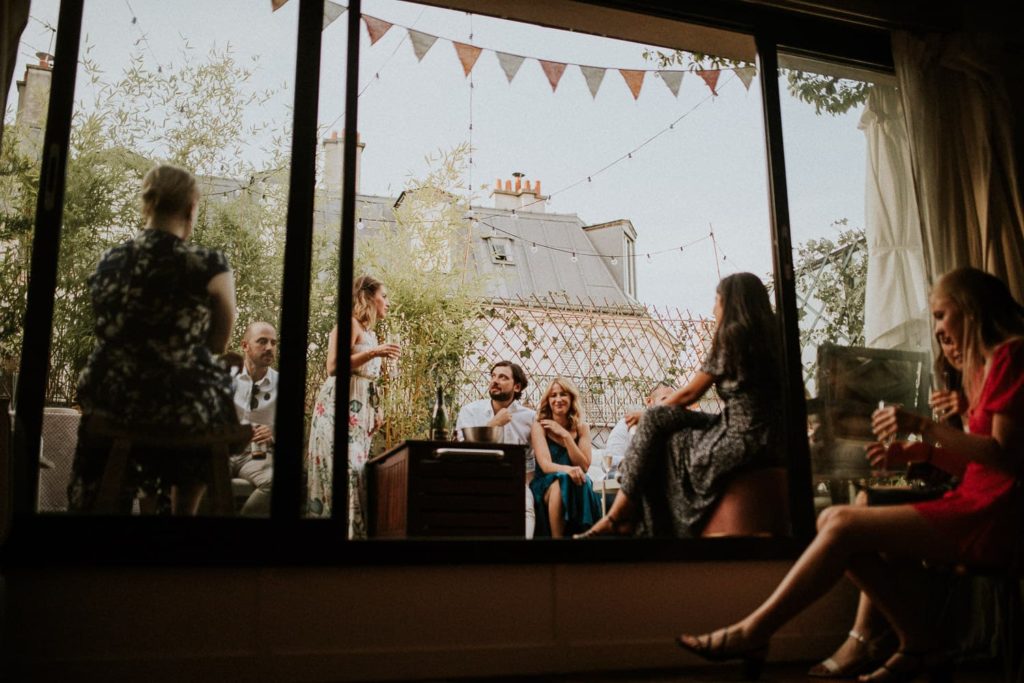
column 440, row 488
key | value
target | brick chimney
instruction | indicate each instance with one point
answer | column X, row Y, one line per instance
column 33, row 102
column 519, row 195
column 334, row 158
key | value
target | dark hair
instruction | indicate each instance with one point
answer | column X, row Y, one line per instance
column 518, row 376
column 747, row 336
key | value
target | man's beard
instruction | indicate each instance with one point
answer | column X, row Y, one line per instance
column 501, row 397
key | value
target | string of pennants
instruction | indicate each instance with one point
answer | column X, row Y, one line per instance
column 511, row 63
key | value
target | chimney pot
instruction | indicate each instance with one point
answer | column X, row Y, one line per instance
column 334, row 135
column 528, row 186
column 508, row 186
column 44, row 58
column 519, row 184
column 497, row 185
column 536, row 188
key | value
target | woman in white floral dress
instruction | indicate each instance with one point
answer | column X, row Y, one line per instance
column 370, row 304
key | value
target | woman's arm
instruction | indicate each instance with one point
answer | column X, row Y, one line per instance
column 221, row 289
column 540, row 449
column 692, row 392
column 580, row 451
column 332, row 351
column 379, row 351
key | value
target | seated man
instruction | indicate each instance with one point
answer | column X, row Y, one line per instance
column 503, row 409
column 622, row 432
column 256, row 403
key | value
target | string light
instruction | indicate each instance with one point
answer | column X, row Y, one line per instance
column 360, row 225
column 615, row 261
column 574, row 259
column 533, row 248
column 515, row 216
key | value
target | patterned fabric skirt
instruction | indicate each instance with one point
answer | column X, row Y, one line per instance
column 320, row 455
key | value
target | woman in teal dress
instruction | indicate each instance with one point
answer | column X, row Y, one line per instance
column 561, row 442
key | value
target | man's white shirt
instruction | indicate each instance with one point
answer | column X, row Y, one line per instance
column 265, row 393
column 517, row 431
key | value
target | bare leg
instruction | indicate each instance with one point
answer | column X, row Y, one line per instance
column 618, row 521
column 185, row 499
column 553, row 499
column 846, row 533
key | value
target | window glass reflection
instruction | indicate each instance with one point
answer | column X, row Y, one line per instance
column 163, row 271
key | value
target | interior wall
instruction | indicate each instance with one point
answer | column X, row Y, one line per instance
column 396, row 623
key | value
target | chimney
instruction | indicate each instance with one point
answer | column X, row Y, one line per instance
column 33, row 102
column 334, row 158
column 519, row 195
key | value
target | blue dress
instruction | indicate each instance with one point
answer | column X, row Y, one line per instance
column 581, row 506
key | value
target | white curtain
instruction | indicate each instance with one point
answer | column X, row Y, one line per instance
column 896, row 297
column 959, row 93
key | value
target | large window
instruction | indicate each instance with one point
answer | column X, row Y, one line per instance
column 564, row 199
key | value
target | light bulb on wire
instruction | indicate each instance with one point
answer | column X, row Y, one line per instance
column 360, row 225
column 574, row 259
column 515, row 216
column 615, row 261
column 533, row 248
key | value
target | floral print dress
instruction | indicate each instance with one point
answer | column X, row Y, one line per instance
column 320, row 456
column 151, row 364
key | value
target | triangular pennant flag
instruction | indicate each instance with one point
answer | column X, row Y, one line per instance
column 593, row 75
column 376, row 28
column 277, row 4
column 710, row 77
column 332, row 11
column 672, row 80
column 554, row 71
column 509, row 64
column 746, row 74
column 468, row 54
column 634, row 79
column 421, row 42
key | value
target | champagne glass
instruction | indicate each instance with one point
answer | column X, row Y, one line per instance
column 607, row 462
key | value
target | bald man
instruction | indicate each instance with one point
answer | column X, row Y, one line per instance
column 256, row 403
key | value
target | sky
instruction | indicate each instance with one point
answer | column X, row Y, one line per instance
column 705, row 173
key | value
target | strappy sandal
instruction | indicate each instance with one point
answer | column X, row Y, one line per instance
column 903, row 667
column 869, row 649
column 714, row 647
column 616, row 527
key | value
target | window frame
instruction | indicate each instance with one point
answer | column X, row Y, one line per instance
column 286, row 538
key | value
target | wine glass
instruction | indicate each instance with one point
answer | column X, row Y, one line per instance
column 607, row 463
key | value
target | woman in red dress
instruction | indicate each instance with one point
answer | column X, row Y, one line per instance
column 975, row 523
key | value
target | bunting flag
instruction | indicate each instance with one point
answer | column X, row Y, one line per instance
column 332, row 11
column 468, row 54
column 711, row 78
column 746, row 74
column 634, row 79
column 672, row 79
column 509, row 64
column 593, row 75
column 376, row 27
column 554, row 71
column 421, row 43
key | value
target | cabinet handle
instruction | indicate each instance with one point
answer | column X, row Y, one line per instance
column 495, row 453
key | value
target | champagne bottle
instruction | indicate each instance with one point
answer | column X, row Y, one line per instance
column 439, row 420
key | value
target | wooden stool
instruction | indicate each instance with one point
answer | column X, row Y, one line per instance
column 754, row 503
column 220, row 445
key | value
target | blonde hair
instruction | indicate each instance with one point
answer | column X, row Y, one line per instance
column 575, row 414
column 989, row 315
column 168, row 191
column 364, row 310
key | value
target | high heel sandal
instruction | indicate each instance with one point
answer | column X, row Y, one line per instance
column 903, row 667
column 714, row 647
column 616, row 527
column 869, row 657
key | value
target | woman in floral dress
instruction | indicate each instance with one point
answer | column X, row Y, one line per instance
column 163, row 308
column 370, row 304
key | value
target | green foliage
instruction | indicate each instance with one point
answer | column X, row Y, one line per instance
column 424, row 262
column 191, row 115
column 828, row 94
column 834, row 274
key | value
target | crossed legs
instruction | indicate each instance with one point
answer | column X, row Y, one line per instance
column 853, row 540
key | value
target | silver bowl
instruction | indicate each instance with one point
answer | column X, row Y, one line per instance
column 483, row 434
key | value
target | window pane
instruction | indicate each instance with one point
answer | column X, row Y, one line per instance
column 147, row 286
column 564, row 202
column 860, row 274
